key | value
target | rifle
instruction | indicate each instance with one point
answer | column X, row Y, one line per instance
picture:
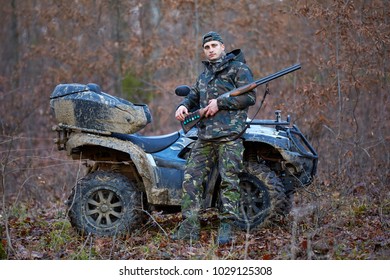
column 193, row 118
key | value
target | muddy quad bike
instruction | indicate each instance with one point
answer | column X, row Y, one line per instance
column 129, row 174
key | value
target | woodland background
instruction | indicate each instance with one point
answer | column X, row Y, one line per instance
column 141, row 50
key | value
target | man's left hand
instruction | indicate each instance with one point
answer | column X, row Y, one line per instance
column 212, row 108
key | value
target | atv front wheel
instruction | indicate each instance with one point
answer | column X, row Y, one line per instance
column 262, row 196
column 105, row 203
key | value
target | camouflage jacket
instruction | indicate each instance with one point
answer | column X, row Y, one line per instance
column 217, row 78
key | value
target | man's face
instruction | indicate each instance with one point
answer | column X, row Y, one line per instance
column 213, row 50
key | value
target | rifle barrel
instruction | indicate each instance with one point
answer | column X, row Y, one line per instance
column 278, row 74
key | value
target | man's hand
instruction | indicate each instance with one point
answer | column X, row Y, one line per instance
column 181, row 113
column 212, row 108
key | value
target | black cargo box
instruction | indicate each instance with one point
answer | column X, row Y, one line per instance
column 87, row 107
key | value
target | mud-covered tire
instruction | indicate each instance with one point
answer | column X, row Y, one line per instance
column 262, row 196
column 105, row 204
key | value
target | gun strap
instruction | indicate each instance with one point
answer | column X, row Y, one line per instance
column 266, row 92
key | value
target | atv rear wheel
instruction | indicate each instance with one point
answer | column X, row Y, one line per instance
column 262, row 196
column 105, row 203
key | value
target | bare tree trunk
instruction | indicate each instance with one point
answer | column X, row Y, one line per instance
column 117, row 38
column 10, row 44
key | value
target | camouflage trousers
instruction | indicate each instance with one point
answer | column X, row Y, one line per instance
column 204, row 156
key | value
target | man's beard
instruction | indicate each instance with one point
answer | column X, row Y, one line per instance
column 219, row 59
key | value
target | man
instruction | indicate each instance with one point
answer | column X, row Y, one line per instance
column 218, row 135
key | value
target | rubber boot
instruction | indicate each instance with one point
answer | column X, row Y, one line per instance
column 225, row 233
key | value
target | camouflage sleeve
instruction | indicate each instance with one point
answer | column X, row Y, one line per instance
column 244, row 76
column 191, row 101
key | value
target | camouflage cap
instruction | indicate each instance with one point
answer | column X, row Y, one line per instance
column 211, row 36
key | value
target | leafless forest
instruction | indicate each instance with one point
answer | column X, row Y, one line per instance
column 140, row 51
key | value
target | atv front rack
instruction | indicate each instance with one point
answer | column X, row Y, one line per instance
column 298, row 139
column 277, row 121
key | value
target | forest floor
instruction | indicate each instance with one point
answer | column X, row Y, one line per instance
column 321, row 225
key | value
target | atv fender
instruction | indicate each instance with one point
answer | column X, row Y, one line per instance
column 143, row 163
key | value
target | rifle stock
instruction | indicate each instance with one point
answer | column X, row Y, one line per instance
column 240, row 90
column 192, row 119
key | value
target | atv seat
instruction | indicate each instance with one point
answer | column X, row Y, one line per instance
column 150, row 144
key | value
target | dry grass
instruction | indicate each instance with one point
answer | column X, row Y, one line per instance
column 322, row 225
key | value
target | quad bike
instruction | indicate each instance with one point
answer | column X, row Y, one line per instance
column 129, row 174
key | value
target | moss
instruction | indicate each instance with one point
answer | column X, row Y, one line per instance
column 134, row 89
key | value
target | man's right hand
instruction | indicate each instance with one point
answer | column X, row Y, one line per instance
column 181, row 113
